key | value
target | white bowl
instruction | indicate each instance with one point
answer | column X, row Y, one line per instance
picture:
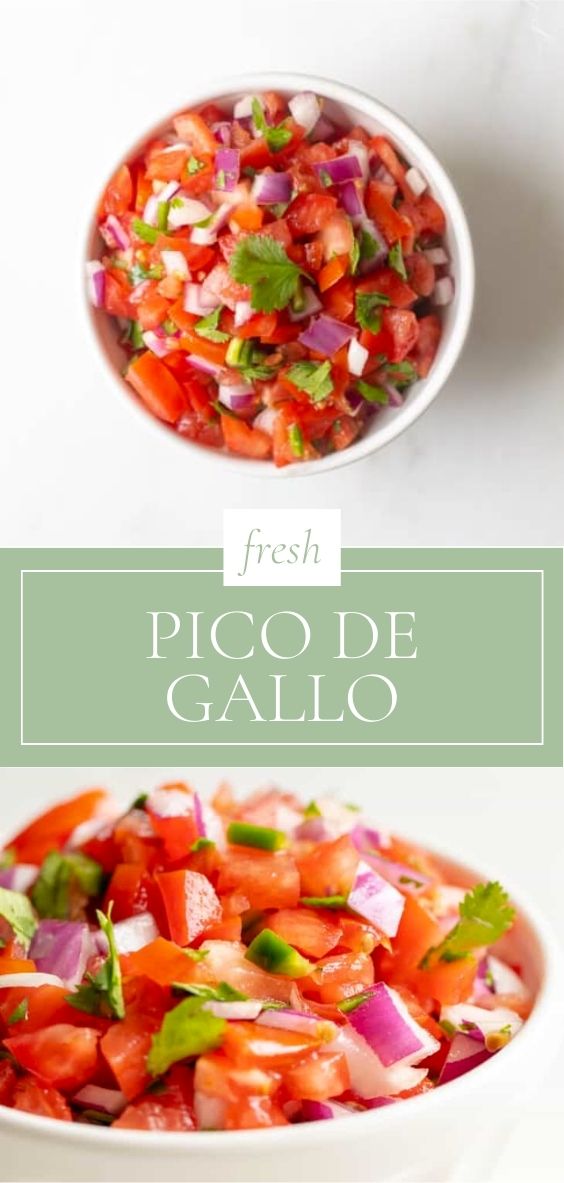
column 357, row 108
column 450, row 1134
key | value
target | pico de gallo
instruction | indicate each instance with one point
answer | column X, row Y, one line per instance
column 277, row 279
column 233, row 965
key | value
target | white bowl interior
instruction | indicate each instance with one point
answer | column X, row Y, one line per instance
column 346, row 106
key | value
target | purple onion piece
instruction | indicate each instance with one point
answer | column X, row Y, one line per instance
column 351, row 201
column 61, row 947
column 227, row 168
column 339, row 170
column 326, row 335
column 272, row 188
column 375, row 899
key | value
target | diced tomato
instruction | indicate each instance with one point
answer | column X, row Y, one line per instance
column 393, row 224
column 402, row 327
column 161, row 961
column 267, row 1047
column 425, row 348
column 198, row 183
column 151, row 308
column 344, row 431
column 172, row 1108
column 256, row 154
column 332, row 272
column 310, row 932
column 337, row 236
column 392, row 163
column 245, row 440
column 61, row 1055
column 156, row 387
column 267, row 880
column 253, row 1113
column 54, row 827
column 167, row 165
column 329, row 868
column 310, row 212
column 126, row 1044
column 388, row 283
column 418, row 931
column 338, row 301
column 425, row 215
column 248, row 217
column 357, row 935
column 341, row 975
column 449, row 982
column 262, row 324
column 190, row 902
column 179, row 831
column 30, row 1096
column 7, row 1082
column 118, row 194
column 314, row 255
column 117, row 295
column 132, row 891
column 194, row 131
column 420, row 273
column 323, row 1075
column 16, row 965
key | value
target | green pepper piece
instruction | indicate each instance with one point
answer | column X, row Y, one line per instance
column 274, row 955
column 245, row 834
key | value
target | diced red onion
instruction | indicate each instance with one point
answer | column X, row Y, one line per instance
column 375, row 899
column 243, row 108
column 151, row 210
column 466, row 1018
column 387, row 1026
column 96, row 282
column 170, row 803
column 243, row 312
column 368, row 840
column 272, row 188
column 20, row 877
column 357, row 357
column 407, row 879
column 222, row 132
column 339, row 170
column 416, row 182
column 293, row 1020
column 199, row 816
column 61, row 947
column 463, row 1054
column 169, row 190
column 368, row 1076
column 437, row 256
column 443, row 292
column 157, row 344
column 198, row 300
column 322, row 1110
column 395, row 397
column 135, row 932
column 504, row 979
column 209, row 1111
column 93, row 1096
column 29, row 981
column 311, row 304
column 379, row 1102
column 351, row 200
column 326, row 335
column 174, row 263
column 380, row 172
column 266, row 419
column 305, row 108
column 202, row 363
column 358, row 149
column 186, row 211
column 116, row 232
column 313, row 829
column 227, row 166
column 207, row 235
column 249, row 1009
column 238, row 398
column 324, row 130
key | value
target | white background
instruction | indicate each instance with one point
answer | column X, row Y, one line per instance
column 507, row 823
column 482, row 81
column 79, row 81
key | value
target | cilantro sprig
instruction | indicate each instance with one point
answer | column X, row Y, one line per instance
column 17, row 910
column 102, row 993
column 313, row 378
column 261, row 262
column 63, row 876
column 366, row 309
column 208, row 326
column 276, row 137
column 485, row 914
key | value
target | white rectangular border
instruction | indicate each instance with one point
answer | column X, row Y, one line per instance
column 278, row 743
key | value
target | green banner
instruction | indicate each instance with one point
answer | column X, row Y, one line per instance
column 420, row 657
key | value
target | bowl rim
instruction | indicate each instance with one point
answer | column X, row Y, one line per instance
column 216, row 1143
column 430, row 386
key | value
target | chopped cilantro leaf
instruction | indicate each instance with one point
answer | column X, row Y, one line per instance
column 324, row 901
column 354, row 256
column 485, row 914
column 61, row 875
column 365, row 309
column 223, row 992
column 276, row 137
column 208, row 326
column 220, row 179
column 17, row 910
column 262, row 263
column 314, row 378
column 187, row 1030
column 395, row 259
column 372, row 394
column 194, row 166
column 201, row 844
column 144, row 230
column 19, row 1013
column 403, row 371
column 102, row 993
